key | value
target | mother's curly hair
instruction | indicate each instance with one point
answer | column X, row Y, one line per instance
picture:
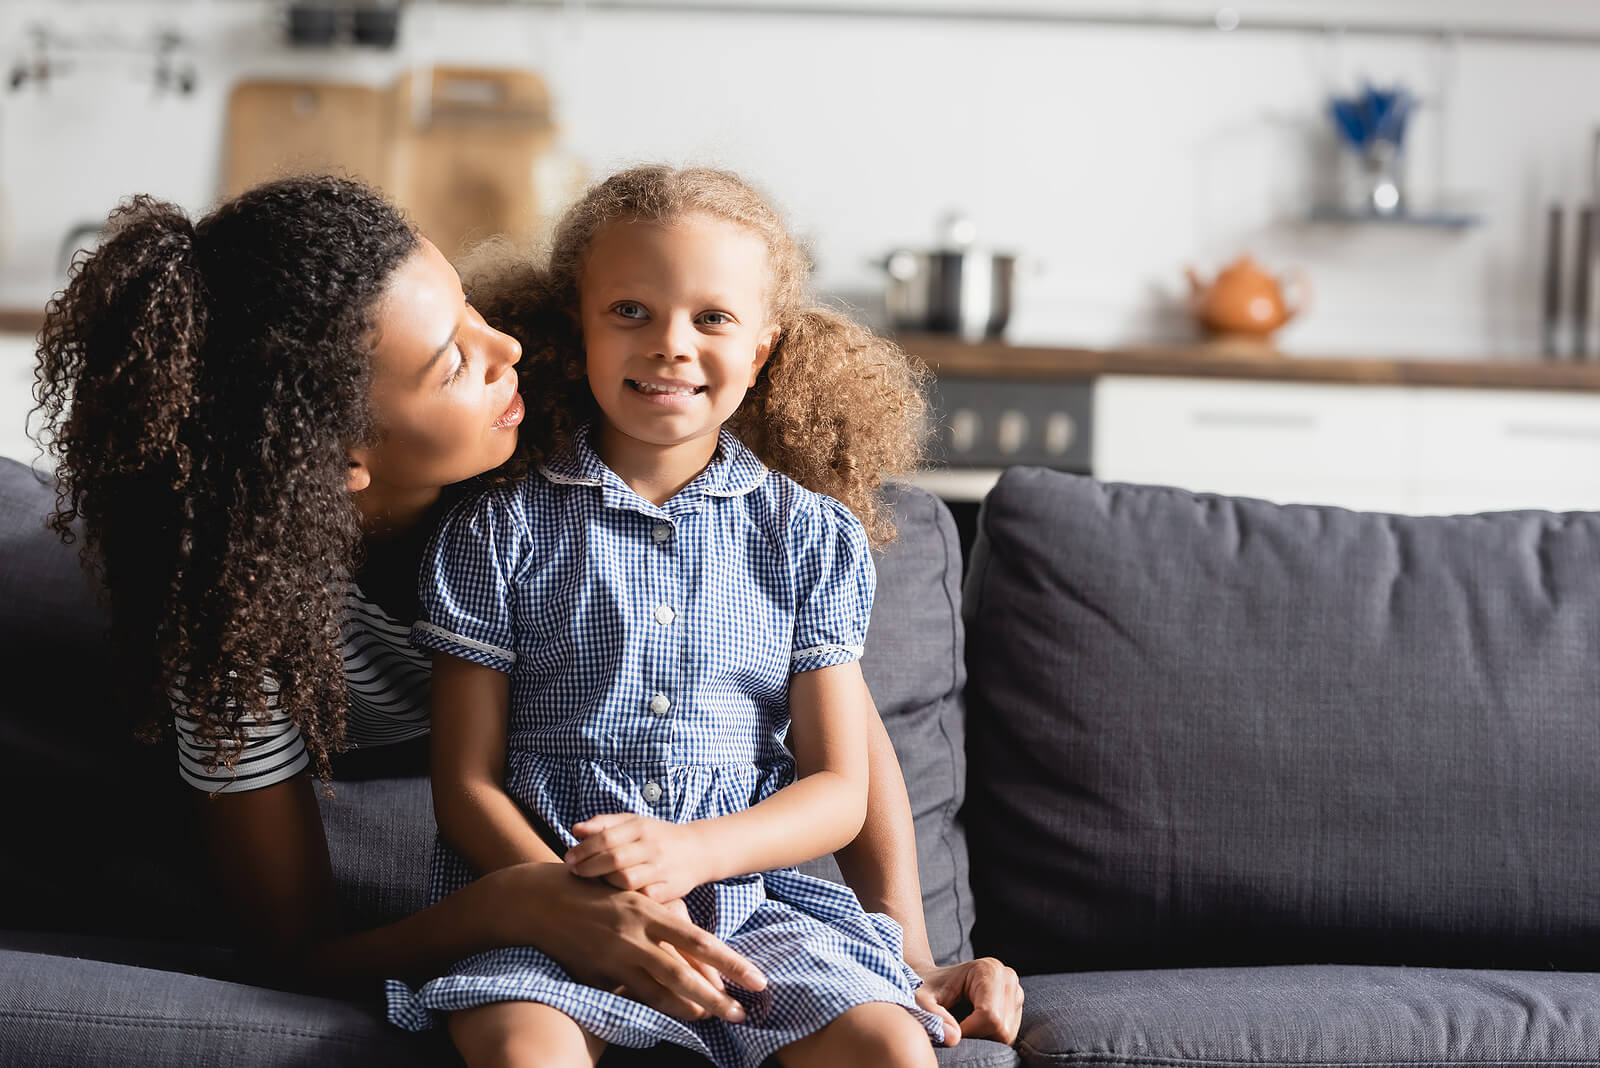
column 201, row 384
column 836, row 408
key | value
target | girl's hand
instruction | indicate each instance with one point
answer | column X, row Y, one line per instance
column 631, row 852
column 616, row 939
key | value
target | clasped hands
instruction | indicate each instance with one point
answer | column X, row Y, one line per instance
column 664, row 861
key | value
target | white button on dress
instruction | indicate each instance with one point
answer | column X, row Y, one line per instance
column 661, row 531
column 660, row 705
column 665, row 614
column 652, row 792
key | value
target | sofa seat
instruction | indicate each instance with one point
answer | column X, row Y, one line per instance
column 58, row 1009
column 1326, row 1015
column 73, row 1000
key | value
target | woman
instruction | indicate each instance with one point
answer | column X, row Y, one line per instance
column 258, row 419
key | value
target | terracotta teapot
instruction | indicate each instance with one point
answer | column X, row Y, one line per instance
column 1245, row 301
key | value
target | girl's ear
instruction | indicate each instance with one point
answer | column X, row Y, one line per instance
column 764, row 346
column 359, row 476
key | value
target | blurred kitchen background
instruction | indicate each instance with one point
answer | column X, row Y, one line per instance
column 1115, row 150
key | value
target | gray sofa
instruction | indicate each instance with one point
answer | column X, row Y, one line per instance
column 1239, row 784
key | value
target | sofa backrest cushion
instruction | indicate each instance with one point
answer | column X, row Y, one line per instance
column 1211, row 731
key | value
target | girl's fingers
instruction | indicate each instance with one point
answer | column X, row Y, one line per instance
column 601, row 822
column 599, row 862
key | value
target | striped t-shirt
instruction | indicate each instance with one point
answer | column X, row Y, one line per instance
column 388, row 703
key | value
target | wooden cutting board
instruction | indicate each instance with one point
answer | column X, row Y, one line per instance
column 458, row 147
column 276, row 129
column 466, row 152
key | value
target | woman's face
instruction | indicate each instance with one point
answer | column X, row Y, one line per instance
column 444, row 390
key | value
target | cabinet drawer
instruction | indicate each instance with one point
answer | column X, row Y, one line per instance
column 1503, row 436
column 16, row 398
column 1297, row 431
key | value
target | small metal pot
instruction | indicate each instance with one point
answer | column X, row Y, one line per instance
column 965, row 292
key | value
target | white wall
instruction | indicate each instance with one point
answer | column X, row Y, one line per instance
column 1113, row 155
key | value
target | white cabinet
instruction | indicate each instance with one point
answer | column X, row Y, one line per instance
column 1424, row 450
column 16, row 397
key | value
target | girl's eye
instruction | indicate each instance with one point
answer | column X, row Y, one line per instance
column 629, row 310
column 716, row 318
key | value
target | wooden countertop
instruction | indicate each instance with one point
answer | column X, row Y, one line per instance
column 21, row 320
column 955, row 358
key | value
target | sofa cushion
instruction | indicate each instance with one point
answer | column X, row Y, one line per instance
column 108, row 844
column 66, row 1012
column 1214, row 731
column 914, row 666
column 1320, row 1015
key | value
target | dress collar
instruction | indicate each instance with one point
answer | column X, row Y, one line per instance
column 733, row 471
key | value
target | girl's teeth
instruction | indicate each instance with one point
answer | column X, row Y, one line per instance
column 682, row 391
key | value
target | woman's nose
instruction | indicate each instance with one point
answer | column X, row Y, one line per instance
column 504, row 350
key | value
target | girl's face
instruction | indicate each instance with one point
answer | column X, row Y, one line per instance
column 674, row 331
column 444, row 390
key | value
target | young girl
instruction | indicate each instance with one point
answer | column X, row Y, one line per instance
column 623, row 642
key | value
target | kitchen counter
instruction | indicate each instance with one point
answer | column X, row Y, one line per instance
column 21, row 320
column 950, row 357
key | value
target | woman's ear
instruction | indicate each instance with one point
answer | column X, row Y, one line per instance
column 359, row 476
column 764, row 346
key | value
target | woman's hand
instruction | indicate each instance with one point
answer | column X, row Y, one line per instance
column 988, row 986
column 631, row 852
column 611, row 939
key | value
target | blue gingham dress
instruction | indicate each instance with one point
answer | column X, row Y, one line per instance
column 650, row 650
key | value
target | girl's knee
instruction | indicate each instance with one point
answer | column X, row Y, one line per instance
column 874, row 1034
column 523, row 1034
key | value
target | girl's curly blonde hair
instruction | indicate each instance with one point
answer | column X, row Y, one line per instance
column 836, row 408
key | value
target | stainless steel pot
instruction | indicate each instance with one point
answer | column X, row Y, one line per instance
column 963, row 292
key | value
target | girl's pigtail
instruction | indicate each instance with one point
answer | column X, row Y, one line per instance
column 838, row 409
column 115, row 385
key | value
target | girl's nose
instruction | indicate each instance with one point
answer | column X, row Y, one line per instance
column 674, row 340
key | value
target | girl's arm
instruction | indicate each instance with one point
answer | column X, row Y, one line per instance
column 476, row 816
column 824, row 808
column 821, row 811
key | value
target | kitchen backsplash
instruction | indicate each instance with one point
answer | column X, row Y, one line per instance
column 1108, row 157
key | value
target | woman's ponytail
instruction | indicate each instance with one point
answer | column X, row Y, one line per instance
column 118, row 355
column 116, row 385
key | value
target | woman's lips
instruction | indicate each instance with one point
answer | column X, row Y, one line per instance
column 513, row 413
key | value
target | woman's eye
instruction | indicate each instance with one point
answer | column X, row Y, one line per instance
column 461, row 369
column 629, row 310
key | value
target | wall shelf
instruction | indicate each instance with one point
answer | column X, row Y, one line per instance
column 1414, row 20
column 1431, row 218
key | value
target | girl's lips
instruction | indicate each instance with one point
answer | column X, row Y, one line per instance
column 513, row 413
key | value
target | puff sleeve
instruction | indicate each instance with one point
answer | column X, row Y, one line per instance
column 834, row 580
column 467, row 584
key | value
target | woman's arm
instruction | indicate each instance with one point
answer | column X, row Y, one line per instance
column 476, row 816
column 881, row 867
column 271, row 856
column 880, row 863
column 821, row 811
